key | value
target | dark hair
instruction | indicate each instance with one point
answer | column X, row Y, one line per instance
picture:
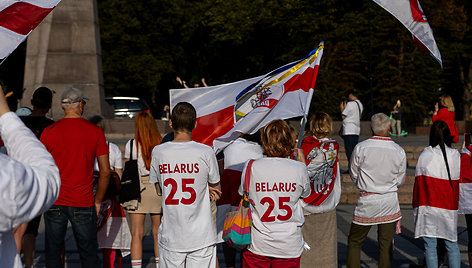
column 183, row 117
column 441, row 135
column 353, row 92
column 256, row 137
column 42, row 98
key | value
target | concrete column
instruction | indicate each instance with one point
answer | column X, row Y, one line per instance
column 64, row 51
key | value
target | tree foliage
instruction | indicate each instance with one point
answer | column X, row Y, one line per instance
column 146, row 44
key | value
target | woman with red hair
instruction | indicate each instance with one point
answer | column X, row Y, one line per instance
column 146, row 137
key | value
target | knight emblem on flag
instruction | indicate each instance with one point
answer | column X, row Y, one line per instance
column 321, row 167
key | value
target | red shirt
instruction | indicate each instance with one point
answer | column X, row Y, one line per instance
column 448, row 118
column 74, row 143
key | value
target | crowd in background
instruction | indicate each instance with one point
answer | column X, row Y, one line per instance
column 187, row 190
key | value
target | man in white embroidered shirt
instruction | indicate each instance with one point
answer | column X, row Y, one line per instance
column 378, row 167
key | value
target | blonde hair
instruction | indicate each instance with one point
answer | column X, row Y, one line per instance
column 446, row 101
column 321, row 125
column 277, row 139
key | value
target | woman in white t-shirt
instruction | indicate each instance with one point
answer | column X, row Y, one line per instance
column 146, row 137
column 113, row 234
column 276, row 187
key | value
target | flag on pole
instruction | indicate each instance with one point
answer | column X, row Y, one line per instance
column 225, row 111
column 18, row 19
column 411, row 15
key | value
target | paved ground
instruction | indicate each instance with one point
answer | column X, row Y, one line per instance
column 408, row 251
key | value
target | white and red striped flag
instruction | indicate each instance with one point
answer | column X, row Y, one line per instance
column 18, row 19
column 411, row 15
column 225, row 111
column 434, row 194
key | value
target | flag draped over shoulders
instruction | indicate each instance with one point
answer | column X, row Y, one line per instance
column 411, row 15
column 435, row 198
column 225, row 111
column 18, row 19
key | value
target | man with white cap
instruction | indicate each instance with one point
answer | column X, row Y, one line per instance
column 74, row 143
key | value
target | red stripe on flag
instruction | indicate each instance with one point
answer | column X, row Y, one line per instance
column 212, row 126
column 434, row 192
column 466, row 168
column 22, row 17
column 303, row 81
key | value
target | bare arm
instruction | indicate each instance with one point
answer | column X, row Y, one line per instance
column 204, row 82
column 103, row 180
column 119, row 171
column 215, row 191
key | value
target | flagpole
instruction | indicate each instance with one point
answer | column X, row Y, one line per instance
column 304, row 119
column 307, row 110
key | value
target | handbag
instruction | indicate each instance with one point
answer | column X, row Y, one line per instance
column 237, row 225
column 130, row 181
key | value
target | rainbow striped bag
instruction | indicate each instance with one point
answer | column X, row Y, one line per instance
column 237, row 226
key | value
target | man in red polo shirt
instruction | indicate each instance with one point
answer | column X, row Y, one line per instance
column 74, row 143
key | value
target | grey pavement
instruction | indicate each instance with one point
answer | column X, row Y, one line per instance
column 408, row 251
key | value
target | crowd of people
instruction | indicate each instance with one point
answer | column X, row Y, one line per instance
column 71, row 173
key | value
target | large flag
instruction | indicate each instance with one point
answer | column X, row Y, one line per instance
column 18, row 19
column 225, row 111
column 411, row 15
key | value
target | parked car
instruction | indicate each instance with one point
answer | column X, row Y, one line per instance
column 127, row 107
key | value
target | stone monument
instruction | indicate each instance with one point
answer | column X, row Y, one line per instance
column 64, row 51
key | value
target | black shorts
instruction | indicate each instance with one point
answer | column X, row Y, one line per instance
column 33, row 226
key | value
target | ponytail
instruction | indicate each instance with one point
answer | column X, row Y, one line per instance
column 441, row 135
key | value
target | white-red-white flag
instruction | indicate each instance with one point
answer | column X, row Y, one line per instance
column 411, row 15
column 226, row 111
column 18, row 19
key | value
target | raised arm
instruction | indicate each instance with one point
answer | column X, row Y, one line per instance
column 29, row 177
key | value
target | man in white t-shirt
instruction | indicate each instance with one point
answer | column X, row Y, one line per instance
column 184, row 170
column 351, row 114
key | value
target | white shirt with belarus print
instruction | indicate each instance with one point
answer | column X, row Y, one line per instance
column 352, row 122
column 183, row 170
column 276, row 186
column 378, row 168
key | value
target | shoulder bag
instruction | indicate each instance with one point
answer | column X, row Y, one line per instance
column 237, row 225
column 130, row 184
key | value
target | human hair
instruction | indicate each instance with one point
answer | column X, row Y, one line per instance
column 42, row 98
column 277, row 141
column 380, row 123
column 98, row 121
column 446, row 101
column 353, row 92
column 256, row 137
column 147, row 135
column 183, row 117
column 440, row 135
column 321, row 125
column 70, row 106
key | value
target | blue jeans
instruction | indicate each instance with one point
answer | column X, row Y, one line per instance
column 350, row 141
column 431, row 254
column 84, row 227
